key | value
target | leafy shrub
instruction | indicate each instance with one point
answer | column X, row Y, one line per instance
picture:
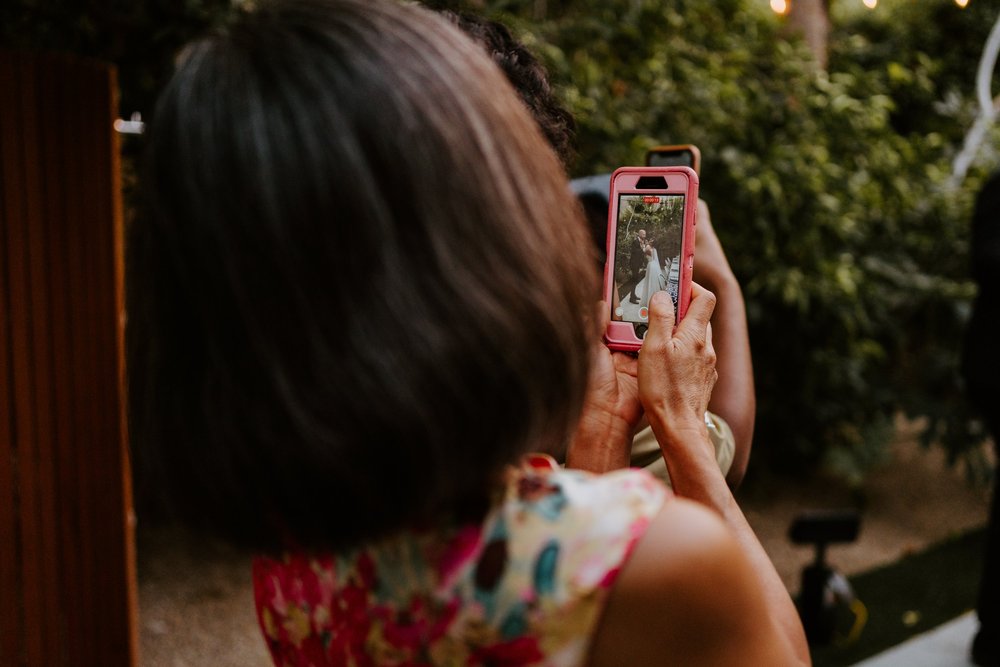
column 828, row 189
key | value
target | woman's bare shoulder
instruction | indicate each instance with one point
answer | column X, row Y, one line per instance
column 687, row 595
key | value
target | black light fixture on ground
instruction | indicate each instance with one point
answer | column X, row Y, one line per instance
column 826, row 597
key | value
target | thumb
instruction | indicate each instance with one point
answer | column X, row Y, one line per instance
column 661, row 315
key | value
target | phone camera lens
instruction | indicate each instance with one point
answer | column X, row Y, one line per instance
column 640, row 330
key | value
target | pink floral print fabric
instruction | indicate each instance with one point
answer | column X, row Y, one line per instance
column 526, row 587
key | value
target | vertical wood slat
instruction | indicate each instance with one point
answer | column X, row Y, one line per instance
column 79, row 378
column 26, row 493
column 42, row 464
column 54, row 97
column 66, row 543
column 36, row 463
column 72, row 180
column 11, row 618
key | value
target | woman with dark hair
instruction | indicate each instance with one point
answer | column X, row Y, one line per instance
column 346, row 331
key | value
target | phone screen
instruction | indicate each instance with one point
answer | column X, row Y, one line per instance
column 671, row 159
column 647, row 252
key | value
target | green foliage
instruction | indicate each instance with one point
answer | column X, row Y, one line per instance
column 828, row 189
column 141, row 38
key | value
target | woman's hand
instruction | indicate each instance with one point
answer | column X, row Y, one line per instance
column 677, row 368
column 611, row 409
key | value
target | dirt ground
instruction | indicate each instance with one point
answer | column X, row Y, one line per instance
column 915, row 499
column 196, row 602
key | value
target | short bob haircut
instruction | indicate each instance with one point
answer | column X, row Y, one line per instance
column 358, row 285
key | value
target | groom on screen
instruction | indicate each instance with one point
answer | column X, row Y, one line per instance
column 636, row 264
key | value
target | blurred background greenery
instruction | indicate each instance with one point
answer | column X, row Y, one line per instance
column 827, row 176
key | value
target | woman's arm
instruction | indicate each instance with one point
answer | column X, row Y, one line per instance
column 689, row 595
column 675, row 413
column 733, row 398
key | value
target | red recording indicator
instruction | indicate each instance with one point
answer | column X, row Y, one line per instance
column 650, row 200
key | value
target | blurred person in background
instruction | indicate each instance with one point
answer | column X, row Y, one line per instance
column 981, row 369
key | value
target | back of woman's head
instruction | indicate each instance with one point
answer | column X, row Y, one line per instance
column 350, row 293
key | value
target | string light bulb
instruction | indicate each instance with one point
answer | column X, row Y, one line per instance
column 782, row 6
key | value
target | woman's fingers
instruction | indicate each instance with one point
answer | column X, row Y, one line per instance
column 695, row 322
column 661, row 319
column 699, row 312
column 677, row 366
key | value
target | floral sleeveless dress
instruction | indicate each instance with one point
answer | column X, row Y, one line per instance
column 526, row 587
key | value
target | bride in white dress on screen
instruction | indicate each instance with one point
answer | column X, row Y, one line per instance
column 655, row 280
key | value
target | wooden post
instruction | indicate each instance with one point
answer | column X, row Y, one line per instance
column 68, row 591
column 811, row 19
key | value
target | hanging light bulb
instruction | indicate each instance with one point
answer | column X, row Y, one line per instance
column 870, row 4
column 779, row 6
column 962, row 3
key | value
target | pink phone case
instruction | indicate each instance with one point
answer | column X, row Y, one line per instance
column 622, row 335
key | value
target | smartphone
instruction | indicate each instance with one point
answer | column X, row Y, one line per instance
column 682, row 155
column 650, row 247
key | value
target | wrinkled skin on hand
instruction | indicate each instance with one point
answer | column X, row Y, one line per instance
column 677, row 367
